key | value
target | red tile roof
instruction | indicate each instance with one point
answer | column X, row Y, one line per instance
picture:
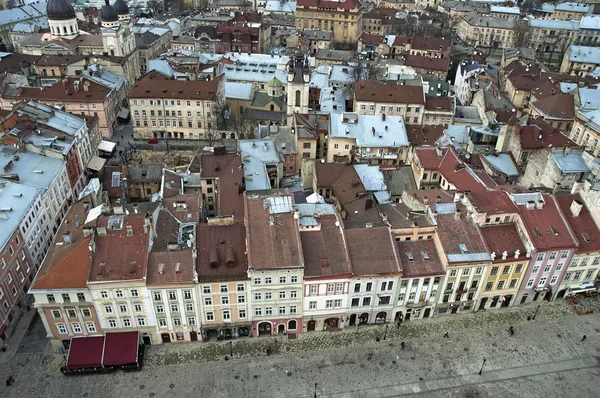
column 546, row 227
column 427, row 63
column 431, row 43
column 454, row 232
column 401, row 40
column 432, row 195
column 501, row 238
column 120, row 257
column 273, row 239
column 69, row 91
column 157, row 85
column 231, row 193
column 493, row 202
column 560, row 106
column 218, row 244
column 420, row 265
column 433, row 104
column 372, row 251
column 371, row 39
column 325, row 250
column 583, row 225
column 424, row 135
column 67, row 266
column 170, row 267
column 329, row 5
column 328, row 173
column 540, row 135
column 391, row 92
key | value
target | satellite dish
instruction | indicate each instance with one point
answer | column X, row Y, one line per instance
column 189, row 243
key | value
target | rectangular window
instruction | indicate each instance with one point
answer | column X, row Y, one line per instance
column 355, row 302
column 141, row 322
column 366, row 301
column 119, row 293
column 282, row 295
column 542, row 281
column 466, row 271
column 240, row 287
column 104, row 294
column 494, row 271
column 62, row 329
column 242, row 313
column 312, row 305
column 122, row 308
column 329, row 304
column 369, row 287
column 501, row 285
column 174, row 308
column 241, row 299
column 357, row 288
column 293, row 294
column 268, row 311
column 530, row 282
column 540, row 257
column 330, row 288
column 210, row 316
column 337, row 303
column 268, row 296
column 156, row 296
column 187, row 294
column 506, row 270
column 108, row 309
column 134, row 293
column 293, row 309
column 160, row 309
column 224, row 289
column 513, row 283
column 91, row 327
column 56, row 314
column 294, row 279
column 547, row 268
column 225, row 300
column 112, row 323
column 282, row 311
column 519, row 268
column 137, row 307
column 535, row 269
column 127, row 322
column 268, row 280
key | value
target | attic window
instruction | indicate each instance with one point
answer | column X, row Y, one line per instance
column 425, row 255
column 129, row 230
column 284, row 241
column 585, row 236
column 324, row 262
column 410, row 256
column 463, row 248
column 537, row 232
column 554, row 231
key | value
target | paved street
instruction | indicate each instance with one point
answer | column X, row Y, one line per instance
column 545, row 357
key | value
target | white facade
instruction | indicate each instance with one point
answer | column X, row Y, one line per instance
column 416, row 295
column 177, row 311
column 325, row 299
column 374, row 297
column 123, row 307
column 67, row 28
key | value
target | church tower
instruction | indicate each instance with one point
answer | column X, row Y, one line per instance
column 117, row 36
column 62, row 19
column 298, row 84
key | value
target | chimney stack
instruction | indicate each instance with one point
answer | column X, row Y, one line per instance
column 576, row 207
column 556, row 188
column 457, row 214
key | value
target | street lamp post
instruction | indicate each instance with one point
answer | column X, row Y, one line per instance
column 482, row 365
column 536, row 311
column 231, row 349
column 315, row 390
column 385, row 333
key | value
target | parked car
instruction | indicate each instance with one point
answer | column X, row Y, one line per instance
column 153, row 141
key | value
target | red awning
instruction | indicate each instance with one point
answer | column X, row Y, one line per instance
column 121, row 348
column 85, row 352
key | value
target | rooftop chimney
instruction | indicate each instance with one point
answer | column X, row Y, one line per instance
column 530, row 205
column 457, row 214
column 556, row 188
column 373, row 131
column 540, row 204
column 68, row 237
column 576, row 207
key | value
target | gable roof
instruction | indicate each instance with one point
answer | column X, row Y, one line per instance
column 560, row 106
column 391, row 92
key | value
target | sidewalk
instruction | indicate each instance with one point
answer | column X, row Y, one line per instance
column 15, row 339
column 176, row 354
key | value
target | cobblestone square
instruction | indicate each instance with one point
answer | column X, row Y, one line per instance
column 545, row 357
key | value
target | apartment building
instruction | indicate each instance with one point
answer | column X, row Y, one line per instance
column 509, row 259
column 570, row 11
column 373, row 139
column 117, row 278
column 275, row 264
column 376, row 272
column 586, row 130
column 486, row 31
column 589, row 30
column 551, row 35
column 327, row 267
column 79, row 96
column 221, row 179
column 466, row 259
column 580, row 60
column 171, row 274
column 223, row 288
column 60, row 291
column 16, row 267
column 582, row 271
column 343, row 18
column 49, row 176
column 403, row 98
column 549, row 243
column 165, row 108
column 151, row 44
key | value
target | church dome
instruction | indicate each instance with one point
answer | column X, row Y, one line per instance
column 60, row 10
column 121, row 7
column 108, row 13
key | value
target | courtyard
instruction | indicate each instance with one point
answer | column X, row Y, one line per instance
column 545, row 357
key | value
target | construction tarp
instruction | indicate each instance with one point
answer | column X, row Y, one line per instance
column 85, row 352
column 121, row 348
column 106, row 146
column 96, row 163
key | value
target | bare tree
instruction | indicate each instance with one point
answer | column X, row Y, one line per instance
column 522, row 34
column 156, row 6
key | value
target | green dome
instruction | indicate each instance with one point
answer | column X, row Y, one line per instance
column 275, row 83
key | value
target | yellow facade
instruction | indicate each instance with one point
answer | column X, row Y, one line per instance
column 501, row 283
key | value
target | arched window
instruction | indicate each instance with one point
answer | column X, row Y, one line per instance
column 223, row 135
column 232, row 136
column 272, row 107
column 298, row 98
column 241, row 110
column 112, row 52
column 292, row 324
column 71, row 28
column 65, row 30
column 241, row 136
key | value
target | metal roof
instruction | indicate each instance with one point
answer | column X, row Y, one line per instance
column 445, row 208
column 371, row 177
column 503, row 163
column 34, row 170
column 585, row 54
column 241, row 91
column 390, row 132
column 18, row 198
column 570, row 163
column 521, row 199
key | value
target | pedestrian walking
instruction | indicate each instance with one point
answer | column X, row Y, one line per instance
column 402, row 345
column 121, row 136
column 12, row 380
column 446, row 335
column 268, row 351
column 584, row 337
column 276, row 341
column 8, row 382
